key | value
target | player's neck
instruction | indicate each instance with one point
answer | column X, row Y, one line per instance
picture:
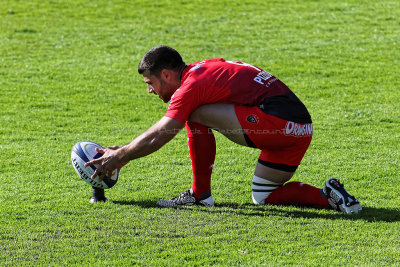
column 181, row 71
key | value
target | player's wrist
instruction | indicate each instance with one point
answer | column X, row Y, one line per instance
column 124, row 155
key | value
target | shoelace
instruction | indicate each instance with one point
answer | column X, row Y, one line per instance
column 181, row 196
column 350, row 199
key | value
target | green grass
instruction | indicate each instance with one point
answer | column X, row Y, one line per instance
column 68, row 73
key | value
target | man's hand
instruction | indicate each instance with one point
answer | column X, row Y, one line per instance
column 108, row 162
column 150, row 141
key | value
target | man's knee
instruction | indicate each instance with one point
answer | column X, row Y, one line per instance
column 261, row 189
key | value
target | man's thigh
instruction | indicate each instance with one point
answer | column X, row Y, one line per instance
column 220, row 117
column 250, row 126
column 281, row 142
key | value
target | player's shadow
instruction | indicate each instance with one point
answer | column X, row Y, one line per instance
column 143, row 204
column 369, row 214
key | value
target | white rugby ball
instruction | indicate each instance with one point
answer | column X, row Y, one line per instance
column 83, row 152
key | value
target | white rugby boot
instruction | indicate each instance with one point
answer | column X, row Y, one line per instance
column 187, row 199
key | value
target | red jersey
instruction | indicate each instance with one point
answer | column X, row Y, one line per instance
column 223, row 81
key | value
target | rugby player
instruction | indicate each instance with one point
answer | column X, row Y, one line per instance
column 249, row 106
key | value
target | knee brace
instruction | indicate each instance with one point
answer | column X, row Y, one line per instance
column 261, row 189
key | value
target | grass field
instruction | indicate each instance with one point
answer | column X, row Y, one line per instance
column 68, row 72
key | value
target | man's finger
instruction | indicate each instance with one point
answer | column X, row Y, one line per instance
column 122, row 165
column 100, row 150
column 103, row 174
column 113, row 147
column 92, row 162
column 96, row 172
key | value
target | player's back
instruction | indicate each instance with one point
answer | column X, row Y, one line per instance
column 239, row 82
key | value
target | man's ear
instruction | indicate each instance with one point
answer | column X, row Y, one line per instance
column 165, row 74
column 168, row 75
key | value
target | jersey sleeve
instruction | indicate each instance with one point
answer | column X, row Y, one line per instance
column 184, row 101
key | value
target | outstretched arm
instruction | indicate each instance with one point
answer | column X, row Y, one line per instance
column 148, row 142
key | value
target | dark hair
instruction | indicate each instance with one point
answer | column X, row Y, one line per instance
column 159, row 58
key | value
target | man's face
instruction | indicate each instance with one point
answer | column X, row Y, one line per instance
column 163, row 86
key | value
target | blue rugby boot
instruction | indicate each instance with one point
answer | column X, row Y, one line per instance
column 339, row 198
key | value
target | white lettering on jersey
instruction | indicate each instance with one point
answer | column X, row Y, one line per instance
column 262, row 77
column 198, row 66
column 242, row 64
column 299, row 130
